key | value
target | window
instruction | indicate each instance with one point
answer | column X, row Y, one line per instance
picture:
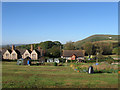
column 13, row 56
column 33, row 56
column 7, row 55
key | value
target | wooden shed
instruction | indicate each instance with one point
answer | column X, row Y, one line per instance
column 26, row 60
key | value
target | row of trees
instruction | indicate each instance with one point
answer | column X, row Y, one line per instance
column 54, row 48
column 92, row 48
column 100, row 47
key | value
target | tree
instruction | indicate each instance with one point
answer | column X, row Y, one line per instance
column 6, row 46
column 103, row 48
column 47, row 44
column 88, row 47
column 54, row 51
column 57, row 43
column 69, row 46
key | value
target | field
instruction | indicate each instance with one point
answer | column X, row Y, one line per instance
column 14, row 76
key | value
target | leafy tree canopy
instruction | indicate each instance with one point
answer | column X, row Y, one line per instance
column 69, row 46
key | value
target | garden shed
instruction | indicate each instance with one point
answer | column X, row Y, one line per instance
column 27, row 61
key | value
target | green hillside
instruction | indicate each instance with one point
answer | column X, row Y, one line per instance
column 78, row 44
column 96, row 38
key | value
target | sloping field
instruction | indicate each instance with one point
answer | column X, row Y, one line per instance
column 15, row 76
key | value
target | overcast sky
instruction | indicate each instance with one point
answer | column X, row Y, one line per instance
column 29, row 22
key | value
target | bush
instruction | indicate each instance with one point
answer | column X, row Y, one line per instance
column 60, row 64
column 38, row 63
column 62, row 60
column 110, row 60
column 55, row 64
column 71, row 61
column 34, row 60
column 9, row 60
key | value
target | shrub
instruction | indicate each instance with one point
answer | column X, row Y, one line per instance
column 60, row 64
column 71, row 61
column 110, row 60
column 9, row 60
column 100, row 56
column 37, row 63
column 55, row 64
column 62, row 60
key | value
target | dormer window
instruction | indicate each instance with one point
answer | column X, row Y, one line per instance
column 33, row 56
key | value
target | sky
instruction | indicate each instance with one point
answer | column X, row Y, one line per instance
column 35, row 22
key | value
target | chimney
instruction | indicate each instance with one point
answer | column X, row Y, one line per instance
column 13, row 47
column 39, row 48
column 41, row 51
column 31, row 47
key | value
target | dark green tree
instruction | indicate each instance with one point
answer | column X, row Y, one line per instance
column 103, row 48
column 57, row 43
column 88, row 47
column 54, row 51
column 69, row 46
column 47, row 44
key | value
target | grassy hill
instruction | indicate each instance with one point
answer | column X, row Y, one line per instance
column 97, row 38
column 78, row 44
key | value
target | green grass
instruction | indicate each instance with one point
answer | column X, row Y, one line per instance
column 15, row 76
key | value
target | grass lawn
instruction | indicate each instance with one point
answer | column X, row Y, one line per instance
column 14, row 76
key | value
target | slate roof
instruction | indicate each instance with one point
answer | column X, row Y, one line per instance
column 21, row 51
column 18, row 51
column 9, row 50
column 69, row 53
column 37, row 51
column 29, row 50
column 4, row 50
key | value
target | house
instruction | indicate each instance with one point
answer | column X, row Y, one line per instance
column 22, row 53
column 27, row 53
column 37, row 53
column 11, row 54
column 15, row 54
column 7, row 54
column 73, row 54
